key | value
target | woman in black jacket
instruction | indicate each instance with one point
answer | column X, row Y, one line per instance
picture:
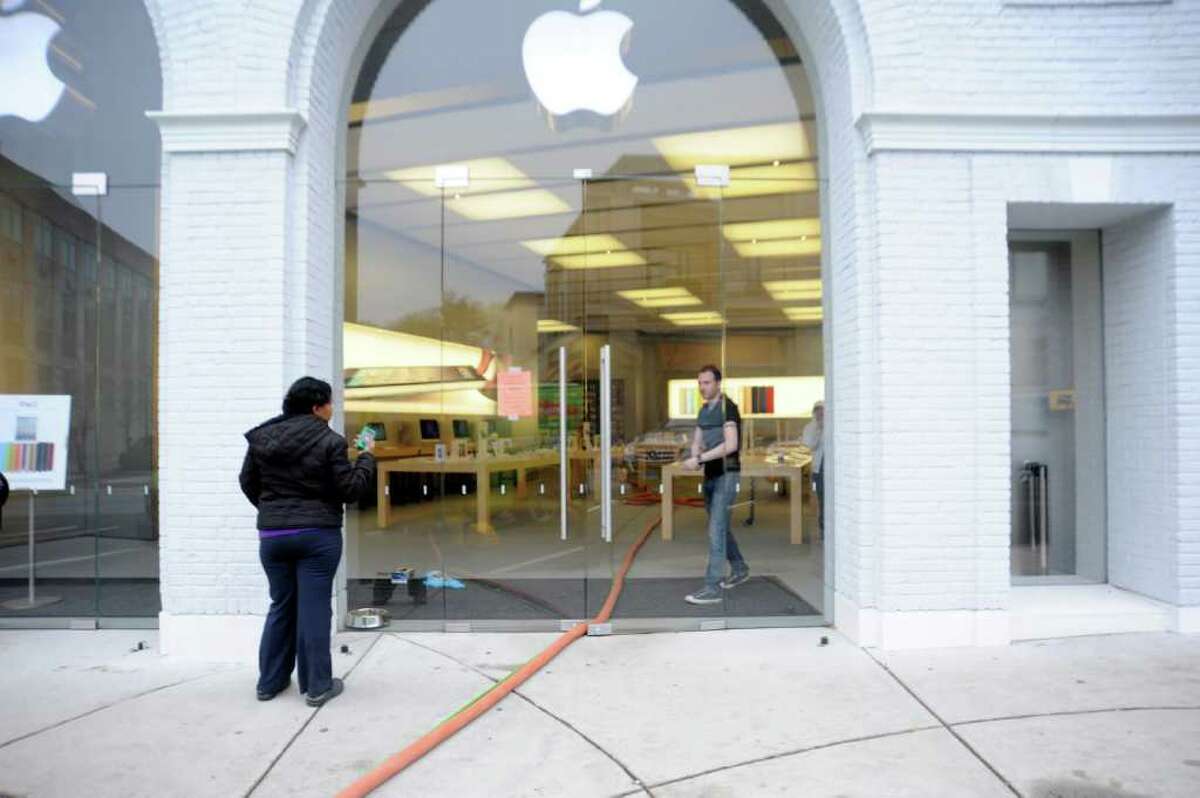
column 297, row 473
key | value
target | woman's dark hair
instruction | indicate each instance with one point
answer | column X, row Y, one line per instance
column 711, row 369
column 305, row 394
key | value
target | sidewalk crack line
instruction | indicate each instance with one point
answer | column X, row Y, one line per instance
column 103, row 707
column 949, row 728
column 643, row 788
column 794, row 752
column 312, row 715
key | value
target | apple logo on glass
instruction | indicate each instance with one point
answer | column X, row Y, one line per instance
column 573, row 61
column 30, row 89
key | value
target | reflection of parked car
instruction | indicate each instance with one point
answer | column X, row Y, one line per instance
column 657, row 447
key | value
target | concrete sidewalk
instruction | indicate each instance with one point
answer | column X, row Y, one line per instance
column 730, row 713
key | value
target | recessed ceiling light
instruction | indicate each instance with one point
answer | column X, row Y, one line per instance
column 804, row 313
column 485, row 175
column 781, row 247
column 660, row 297
column 573, row 245
column 497, row 190
column 735, row 146
column 773, row 229
column 554, row 325
column 599, row 260
column 698, row 318
column 793, row 290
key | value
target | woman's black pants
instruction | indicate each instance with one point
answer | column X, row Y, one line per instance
column 300, row 569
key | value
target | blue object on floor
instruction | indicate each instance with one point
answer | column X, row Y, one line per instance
column 436, row 579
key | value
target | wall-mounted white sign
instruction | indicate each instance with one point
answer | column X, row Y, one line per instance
column 573, row 61
column 33, row 440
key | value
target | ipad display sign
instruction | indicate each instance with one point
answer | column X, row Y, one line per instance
column 33, row 440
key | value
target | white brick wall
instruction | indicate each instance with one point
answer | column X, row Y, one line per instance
column 919, row 410
column 991, row 55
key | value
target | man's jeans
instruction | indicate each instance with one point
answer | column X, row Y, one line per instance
column 718, row 499
column 300, row 571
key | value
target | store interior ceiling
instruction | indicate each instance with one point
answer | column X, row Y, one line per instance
column 745, row 256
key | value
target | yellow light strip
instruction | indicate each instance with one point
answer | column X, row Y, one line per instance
column 554, row 325
column 757, row 181
column 697, row 318
column 497, row 189
column 793, row 290
column 486, row 175
column 600, row 260
column 779, row 247
column 795, row 296
column 660, row 297
column 804, row 313
column 507, row 205
column 634, row 294
column 574, row 245
column 670, row 302
column 758, row 144
column 774, row 229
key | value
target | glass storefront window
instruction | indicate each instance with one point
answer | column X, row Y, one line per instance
column 78, row 307
column 533, row 281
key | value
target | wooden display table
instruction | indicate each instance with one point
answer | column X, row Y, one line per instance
column 481, row 468
column 752, row 466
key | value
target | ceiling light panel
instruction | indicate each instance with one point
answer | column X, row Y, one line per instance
column 698, row 318
column 574, row 245
column 599, row 260
column 660, row 297
column 485, row 174
column 793, row 290
column 774, row 229
column 804, row 313
column 757, row 144
column 554, row 326
column 758, row 181
column 780, row 247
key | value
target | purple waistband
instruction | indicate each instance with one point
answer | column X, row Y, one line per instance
column 278, row 533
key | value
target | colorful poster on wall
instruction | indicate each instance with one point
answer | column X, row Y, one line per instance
column 548, row 410
column 514, row 393
column 33, row 440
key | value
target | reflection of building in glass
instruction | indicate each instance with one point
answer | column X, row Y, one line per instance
column 76, row 300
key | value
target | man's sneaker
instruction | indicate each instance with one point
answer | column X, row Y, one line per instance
column 267, row 695
column 738, row 576
column 709, row 595
column 333, row 692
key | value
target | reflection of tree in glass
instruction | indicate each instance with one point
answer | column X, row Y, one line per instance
column 460, row 319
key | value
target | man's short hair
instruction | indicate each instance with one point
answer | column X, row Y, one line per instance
column 711, row 369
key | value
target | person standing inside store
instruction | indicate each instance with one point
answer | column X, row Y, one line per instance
column 298, row 474
column 715, row 448
column 814, row 438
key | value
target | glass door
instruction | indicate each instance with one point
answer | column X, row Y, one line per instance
column 517, row 468
column 1057, row 408
column 395, row 363
column 654, row 302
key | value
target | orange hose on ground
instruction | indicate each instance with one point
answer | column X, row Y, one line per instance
column 447, row 728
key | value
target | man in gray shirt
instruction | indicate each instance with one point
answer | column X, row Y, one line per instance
column 715, row 447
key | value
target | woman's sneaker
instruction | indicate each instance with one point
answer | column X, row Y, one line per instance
column 709, row 595
column 738, row 576
column 267, row 695
column 321, row 700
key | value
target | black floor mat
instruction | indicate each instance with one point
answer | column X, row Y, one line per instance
column 535, row 599
column 118, row 597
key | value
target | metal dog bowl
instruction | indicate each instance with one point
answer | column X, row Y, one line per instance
column 367, row 618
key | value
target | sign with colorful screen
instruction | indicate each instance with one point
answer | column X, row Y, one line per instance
column 33, row 440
